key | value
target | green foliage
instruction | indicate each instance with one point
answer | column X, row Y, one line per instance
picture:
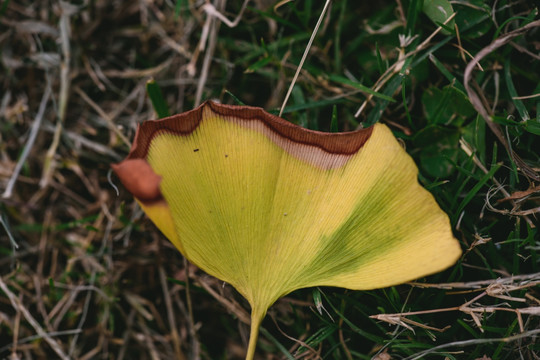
column 439, row 11
column 156, row 96
column 439, row 150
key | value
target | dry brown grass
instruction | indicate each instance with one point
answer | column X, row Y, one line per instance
column 89, row 278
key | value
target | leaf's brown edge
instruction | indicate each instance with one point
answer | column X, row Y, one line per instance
column 138, row 177
column 346, row 143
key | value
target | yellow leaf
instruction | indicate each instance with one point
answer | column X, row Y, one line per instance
column 270, row 207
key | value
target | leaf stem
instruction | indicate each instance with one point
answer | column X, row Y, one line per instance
column 256, row 319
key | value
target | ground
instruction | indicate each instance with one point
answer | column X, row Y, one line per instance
column 84, row 273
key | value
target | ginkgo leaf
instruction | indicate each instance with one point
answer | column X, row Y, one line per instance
column 270, row 207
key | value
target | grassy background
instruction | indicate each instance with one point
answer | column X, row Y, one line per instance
column 91, row 278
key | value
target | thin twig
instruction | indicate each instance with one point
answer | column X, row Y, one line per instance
column 104, row 115
column 154, row 355
column 170, row 315
column 398, row 65
column 92, row 280
column 33, row 338
column 127, row 334
column 314, row 354
column 477, row 102
column 499, row 289
column 81, row 141
column 306, row 51
column 65, row 81
column 523, row 279
column 195, row 345
column 5, row 225
column 468, row 150
column 212, row 28
column 212, row 11
column 232, row 306
column 29, row 144
column 16, row 303
column 526, row 97
column 342, row 340
column 138, row 73
column 512, row 212
column 508, row 339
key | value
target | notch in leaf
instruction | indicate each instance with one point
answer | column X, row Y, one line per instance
column 270, row 207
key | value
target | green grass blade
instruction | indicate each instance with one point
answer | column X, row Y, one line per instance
column 357, row 85
column 520, row 107
column 471, row 194
column 306, row 106
column 451, row 78
column 235, row 98
column 156, row 96
column 274, row 341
